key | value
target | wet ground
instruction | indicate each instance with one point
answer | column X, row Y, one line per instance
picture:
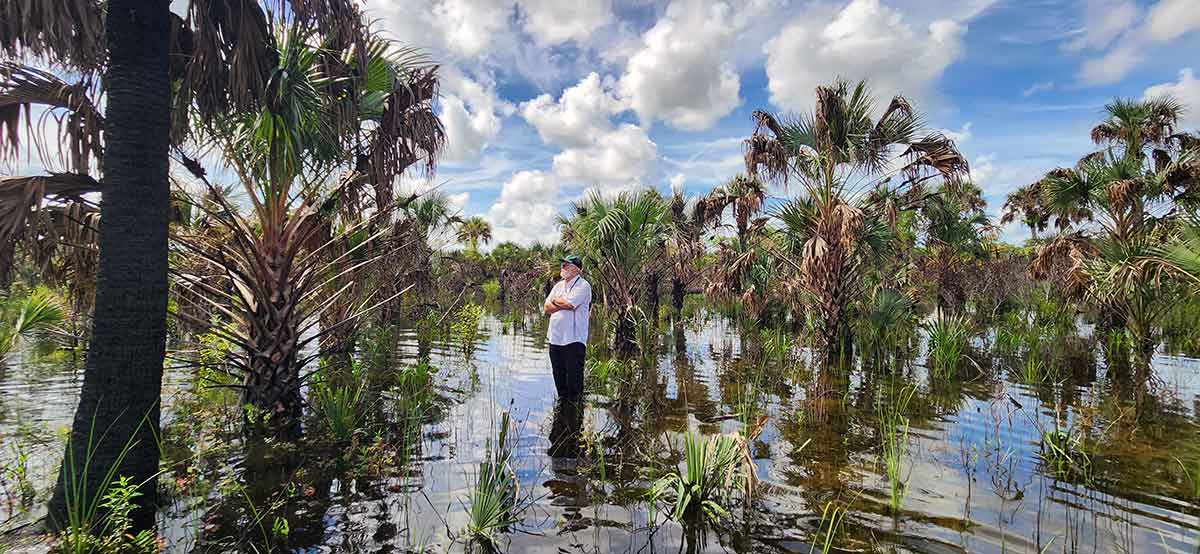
column 978, row 477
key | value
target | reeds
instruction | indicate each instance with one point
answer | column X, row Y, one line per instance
column 949, row 336
column 604, row 376
column 893, row 436
column 832, row 518
column 495, row 497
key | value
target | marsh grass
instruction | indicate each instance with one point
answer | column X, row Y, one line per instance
column 949, row 336
column 605, row 376
column 893, row 433
column 495, row 499
column 715, row 468
column 833, row 516
column 97, row 521
column 1063, row 449
column 343, row 406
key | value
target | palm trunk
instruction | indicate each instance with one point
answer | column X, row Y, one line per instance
column 652, row 280
column 273, row 382
column 119, row 402
column 678, row 293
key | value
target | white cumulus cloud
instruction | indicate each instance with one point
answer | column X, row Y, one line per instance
column 864, row 40
column 526, row 211
column 579, row 116
column 1185, row 90
column 552, row 22
column 620, row 156
column 678, row 74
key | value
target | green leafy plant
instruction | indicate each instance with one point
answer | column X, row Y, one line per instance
column 949, row 336
column 342, row 405
column 112, row 533
column 893, row 433
column 495, row 497
column 465, row 327
column 25, row 317
column 714, row 468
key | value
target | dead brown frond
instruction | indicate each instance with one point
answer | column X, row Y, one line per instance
column 232, row 56
column 22, row 197
column 1069, row 251
column 66, row 32
column 77, row 119
column 938, row 153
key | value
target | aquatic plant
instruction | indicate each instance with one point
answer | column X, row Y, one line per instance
column 490, row 289
column 777, row 344
column 832, row 518
column 25, row 317
column 714, row 468
column 112, row 534
column 495, row 502
column 893, row 436
column 465, row 327
column 341, row 403
column 949, row 336
column 882, row 326
column 605, row 375
column 1063, row 448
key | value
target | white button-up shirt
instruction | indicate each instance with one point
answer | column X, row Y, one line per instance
column 568, row 326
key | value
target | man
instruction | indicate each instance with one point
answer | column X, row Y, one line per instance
column 568, row 305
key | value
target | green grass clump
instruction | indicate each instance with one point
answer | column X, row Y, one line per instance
column 893, row 433
column 112, row 532
column 1064, row 450
column 342, row 406
column 495, row 497
column 714, row 469
column 604, row 376
column 832, row 518
column 949, row 336
column 491, row 289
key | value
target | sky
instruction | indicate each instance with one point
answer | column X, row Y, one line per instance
column 544, row 100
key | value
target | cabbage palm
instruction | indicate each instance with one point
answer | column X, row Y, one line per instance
column 842, row 157
column 1026, row 204
column 621, row 238
column 296, row 261
column 474, row 230
column 1120, row 205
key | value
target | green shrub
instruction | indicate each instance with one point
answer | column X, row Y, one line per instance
column 949, row 336
column 714, row 469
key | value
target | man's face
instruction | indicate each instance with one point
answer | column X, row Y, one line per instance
column 568, row 271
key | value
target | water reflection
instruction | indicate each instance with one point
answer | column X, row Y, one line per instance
column 979, row 480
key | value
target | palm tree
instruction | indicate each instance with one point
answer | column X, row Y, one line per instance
column 685, row 246
column 955, row 225
column 745, row 195
column 842, row 158
column 1026, row 204
column 217, row 62
column 621, row 238
column 1116, row 208
column 474, row 230
column 304, row 255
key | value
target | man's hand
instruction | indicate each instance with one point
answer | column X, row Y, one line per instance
column 556, row 304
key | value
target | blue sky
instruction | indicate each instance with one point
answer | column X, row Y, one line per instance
column 544, row 99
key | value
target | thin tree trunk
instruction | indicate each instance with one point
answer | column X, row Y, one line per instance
column 119, row 403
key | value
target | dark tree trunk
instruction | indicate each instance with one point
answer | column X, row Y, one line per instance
column 678, row 293
column 123, row 374
column 652, row 280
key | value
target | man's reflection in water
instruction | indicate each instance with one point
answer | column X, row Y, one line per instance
column 564, row 429
column 567, row 488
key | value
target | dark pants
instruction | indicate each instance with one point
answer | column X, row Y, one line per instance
column 567, row 361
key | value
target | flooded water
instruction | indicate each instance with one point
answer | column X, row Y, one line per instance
column 978, row 477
